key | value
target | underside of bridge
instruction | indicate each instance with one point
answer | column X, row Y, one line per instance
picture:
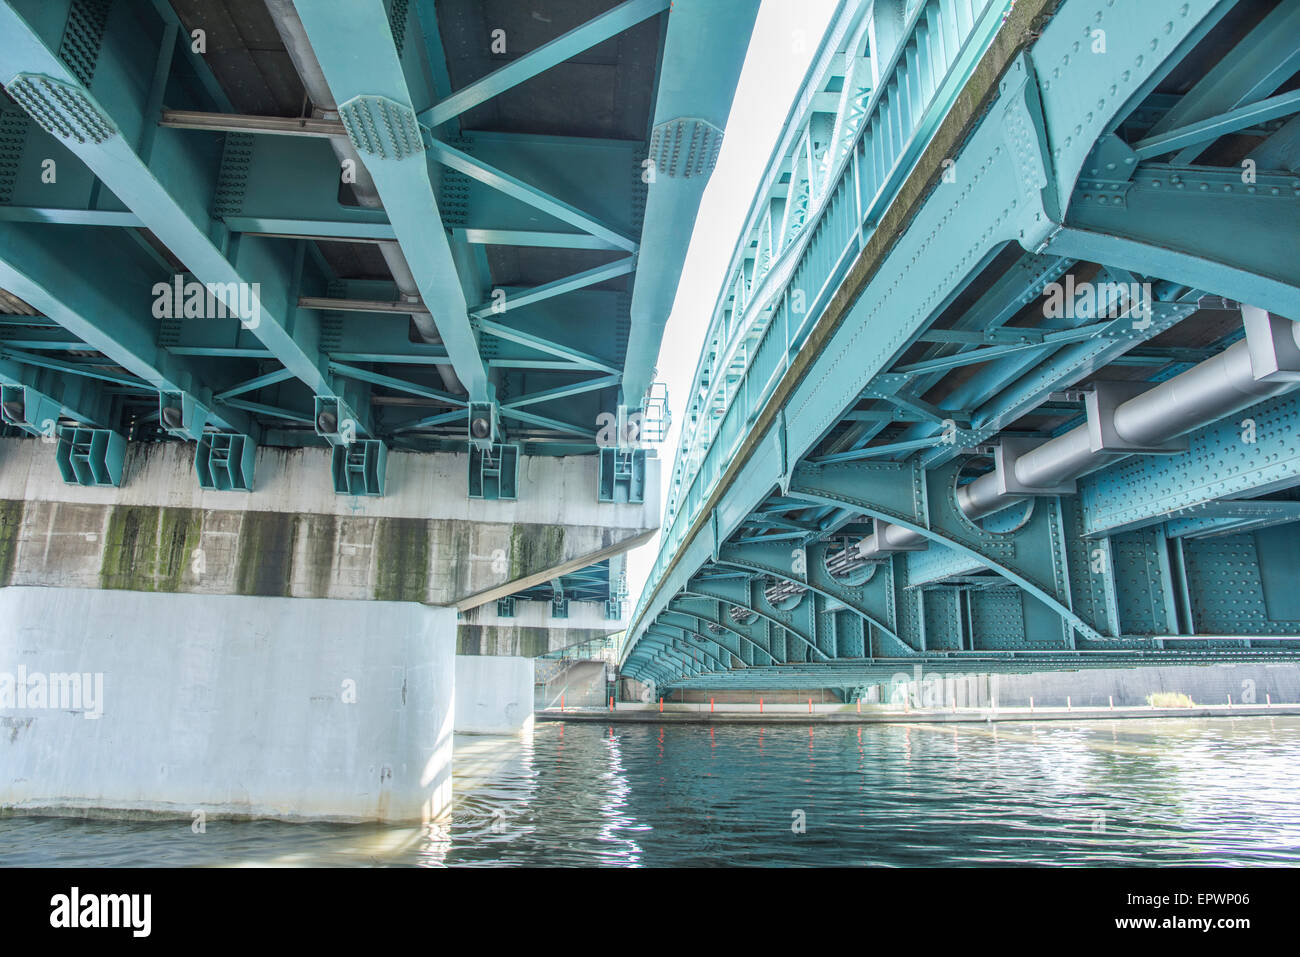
column 327, row 345
column 1002, row 375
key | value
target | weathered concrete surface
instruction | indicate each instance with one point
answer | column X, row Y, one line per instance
column 577, row 684
column 700, row 714
column 1125, row 687
column 424, row 540
column 1083, row 688
column 228, row 705
column 494, row 695
column 532, row 631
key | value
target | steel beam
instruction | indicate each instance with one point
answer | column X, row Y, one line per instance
column 561, row 392
column 85, row 401
column 524, row 297
column 573, row 356
column 354, row 46
column 98, row 291
column 594, row 31
column 704, row 49
column 516, row 188
column 531, row 237
column 37, row 77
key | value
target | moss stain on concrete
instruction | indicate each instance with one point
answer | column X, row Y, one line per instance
column 266, row 546
column 11, row 520
column 130, row 554
column 322, row 533
column 533, row 641
column 402, row 567
column 179, row 535
column 456, row 544
column 535, row 548
column 469, row 639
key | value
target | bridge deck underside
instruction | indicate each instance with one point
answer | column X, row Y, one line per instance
column 541, row 166
column 372, row 227
column 1098, row 204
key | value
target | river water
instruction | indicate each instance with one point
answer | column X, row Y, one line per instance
column 1196, row 791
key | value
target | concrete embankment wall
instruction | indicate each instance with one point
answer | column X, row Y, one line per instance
column 226, row 705
column 581, row 684
column 1084, row 688
column 1096, row 688
column 494, row 695
column 731, row 696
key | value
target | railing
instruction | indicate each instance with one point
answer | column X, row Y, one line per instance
column 761, row 320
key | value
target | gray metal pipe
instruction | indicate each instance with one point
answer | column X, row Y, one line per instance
column 294, row 35
column 1205, row 393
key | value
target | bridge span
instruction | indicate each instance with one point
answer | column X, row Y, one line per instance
column 1002, row 374
column 327, row 342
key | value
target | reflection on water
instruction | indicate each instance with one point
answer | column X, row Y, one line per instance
column 1208, row 791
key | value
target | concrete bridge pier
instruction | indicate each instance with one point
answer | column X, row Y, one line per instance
column 286, row 652
column 134, row 704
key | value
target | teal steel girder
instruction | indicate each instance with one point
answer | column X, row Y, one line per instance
column 994, row 308
column 101, row 292
column 1258, row 64
column 890, row 310
column 518, row 298
column 1032, row 145
column 704, row 48
column 1200, row 227
column 1085, row 95
column 854, row 674
column 1031, row 386
column 748, row 594
column 1233, row 517
column 1032, row 556
column 594, row 31
column 691, row 653
column 529, row 193
column 694, row 622
column 45, row 395
column 873, row 600
column 1220, row 463
column 709, row 611
column 288, row 186
column 282, row 185
column 686, row 636
column 230, row 205
column 354, row 45
column 167, row 191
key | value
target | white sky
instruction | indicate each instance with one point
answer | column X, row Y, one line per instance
column 786, row 35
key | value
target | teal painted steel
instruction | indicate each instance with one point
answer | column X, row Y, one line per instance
column 26, row 407
column 622, row 476
column 90, row 456
column 704, row 48
column 224, row 462
column 60, row 103
column 494, row 472
column 356, row 52
column 517, row 188
column 360, row 467
column 599, row 28
column 946, row 357
column 164, row 182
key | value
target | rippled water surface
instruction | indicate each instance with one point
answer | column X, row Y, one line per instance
column 1208, row 791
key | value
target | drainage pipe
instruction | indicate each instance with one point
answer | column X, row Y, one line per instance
column 1205, row 393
